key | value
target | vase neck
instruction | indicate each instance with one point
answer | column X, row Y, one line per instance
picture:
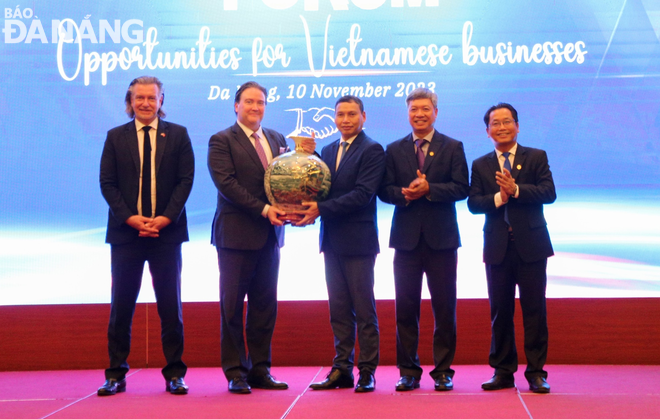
column 299, row 147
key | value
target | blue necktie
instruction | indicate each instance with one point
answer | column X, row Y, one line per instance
column 344, row 144
column 507, row 166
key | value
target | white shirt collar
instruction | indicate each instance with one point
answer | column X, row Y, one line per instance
column 513, row 151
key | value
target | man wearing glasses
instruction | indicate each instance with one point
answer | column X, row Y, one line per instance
column 510, row 185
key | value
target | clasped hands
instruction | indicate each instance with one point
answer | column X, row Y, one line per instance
column 148, row 227
column 506, row 183
column 278, row 217
column 418, row 188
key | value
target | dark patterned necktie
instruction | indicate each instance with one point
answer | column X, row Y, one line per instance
column 420, row 153
column 260, row 150
column 146, row 173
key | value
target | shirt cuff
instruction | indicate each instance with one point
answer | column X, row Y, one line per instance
column 498, row 200
column 264, row 212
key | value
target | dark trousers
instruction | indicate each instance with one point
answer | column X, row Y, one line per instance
column 440, row 269
column 350, row 281
column 127, row 261
column 531, row 280
column 253, row 273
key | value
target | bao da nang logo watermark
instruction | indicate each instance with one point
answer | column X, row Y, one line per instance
column 21, row 25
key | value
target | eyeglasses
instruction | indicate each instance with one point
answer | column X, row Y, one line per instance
column 507, row 123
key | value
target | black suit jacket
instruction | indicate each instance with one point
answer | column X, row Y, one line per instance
column 348, row 216
column 120, row 180
column 239, row 177
column 532, row 174
column 446, row 171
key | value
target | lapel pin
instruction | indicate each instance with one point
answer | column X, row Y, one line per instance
column 162, row 134
column 519, row 167
column 431, row 154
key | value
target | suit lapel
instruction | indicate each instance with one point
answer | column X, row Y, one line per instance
column 245, row 142
column 162, row 136
column 351, row 150
column 332, row 157
column 131, row 142
column 409, row 152
column 274, row 146
column 518, row 161
column 494, row 166
column 433, row 151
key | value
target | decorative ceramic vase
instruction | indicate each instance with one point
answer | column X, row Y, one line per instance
column 296, row 177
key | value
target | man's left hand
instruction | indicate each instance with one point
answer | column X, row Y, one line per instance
column 309, row 215
column 418, row 188
column 506, row 182
column 158, row 224
column 309, row 145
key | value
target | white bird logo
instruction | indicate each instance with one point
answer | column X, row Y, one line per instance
column 321, row 123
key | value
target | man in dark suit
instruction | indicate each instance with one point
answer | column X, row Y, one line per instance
column 349, row 242
column 147, row 170
column 248, row 235
column 510, row 185
column 426, row 174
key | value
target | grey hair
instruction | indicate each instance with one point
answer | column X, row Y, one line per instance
column 423, row 93
column 143, row 80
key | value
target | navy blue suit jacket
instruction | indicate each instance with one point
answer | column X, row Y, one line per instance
column 434, row 216
column 120, row 180
column 532, row 174
column 348, row 216
column 239, row 177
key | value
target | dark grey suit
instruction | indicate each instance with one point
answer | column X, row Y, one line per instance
column 119, row 179
column 425, row 236
column 248, row 250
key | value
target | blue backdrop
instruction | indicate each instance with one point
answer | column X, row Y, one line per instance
column 584, row 76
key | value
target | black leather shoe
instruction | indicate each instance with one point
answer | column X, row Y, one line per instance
column 444, row 383
column 499, row 382
column 238, row 385
column 335, row 379
column 267, row 382
column 112, row 386
column 407, row 383
column 176, row 386
column 539, row 385
column 366, row 383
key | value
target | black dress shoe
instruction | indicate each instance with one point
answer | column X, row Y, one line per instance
column 407, row 383
column 499, row 382
column 444, row 383
column 366, row 383
column 176, row 386
column 267, row 382
column 112, row 386
column 238, row 385
column 539, row 385
column 335, row 379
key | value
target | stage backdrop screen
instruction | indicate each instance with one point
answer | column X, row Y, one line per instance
column 584, row 76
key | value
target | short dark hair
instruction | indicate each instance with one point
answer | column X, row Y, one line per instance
column 350, row 99
column 501, row 105
column 144, row 80
column 248, row 85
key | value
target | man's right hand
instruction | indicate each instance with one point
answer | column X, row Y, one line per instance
column 273, row 213
column 141, row 224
